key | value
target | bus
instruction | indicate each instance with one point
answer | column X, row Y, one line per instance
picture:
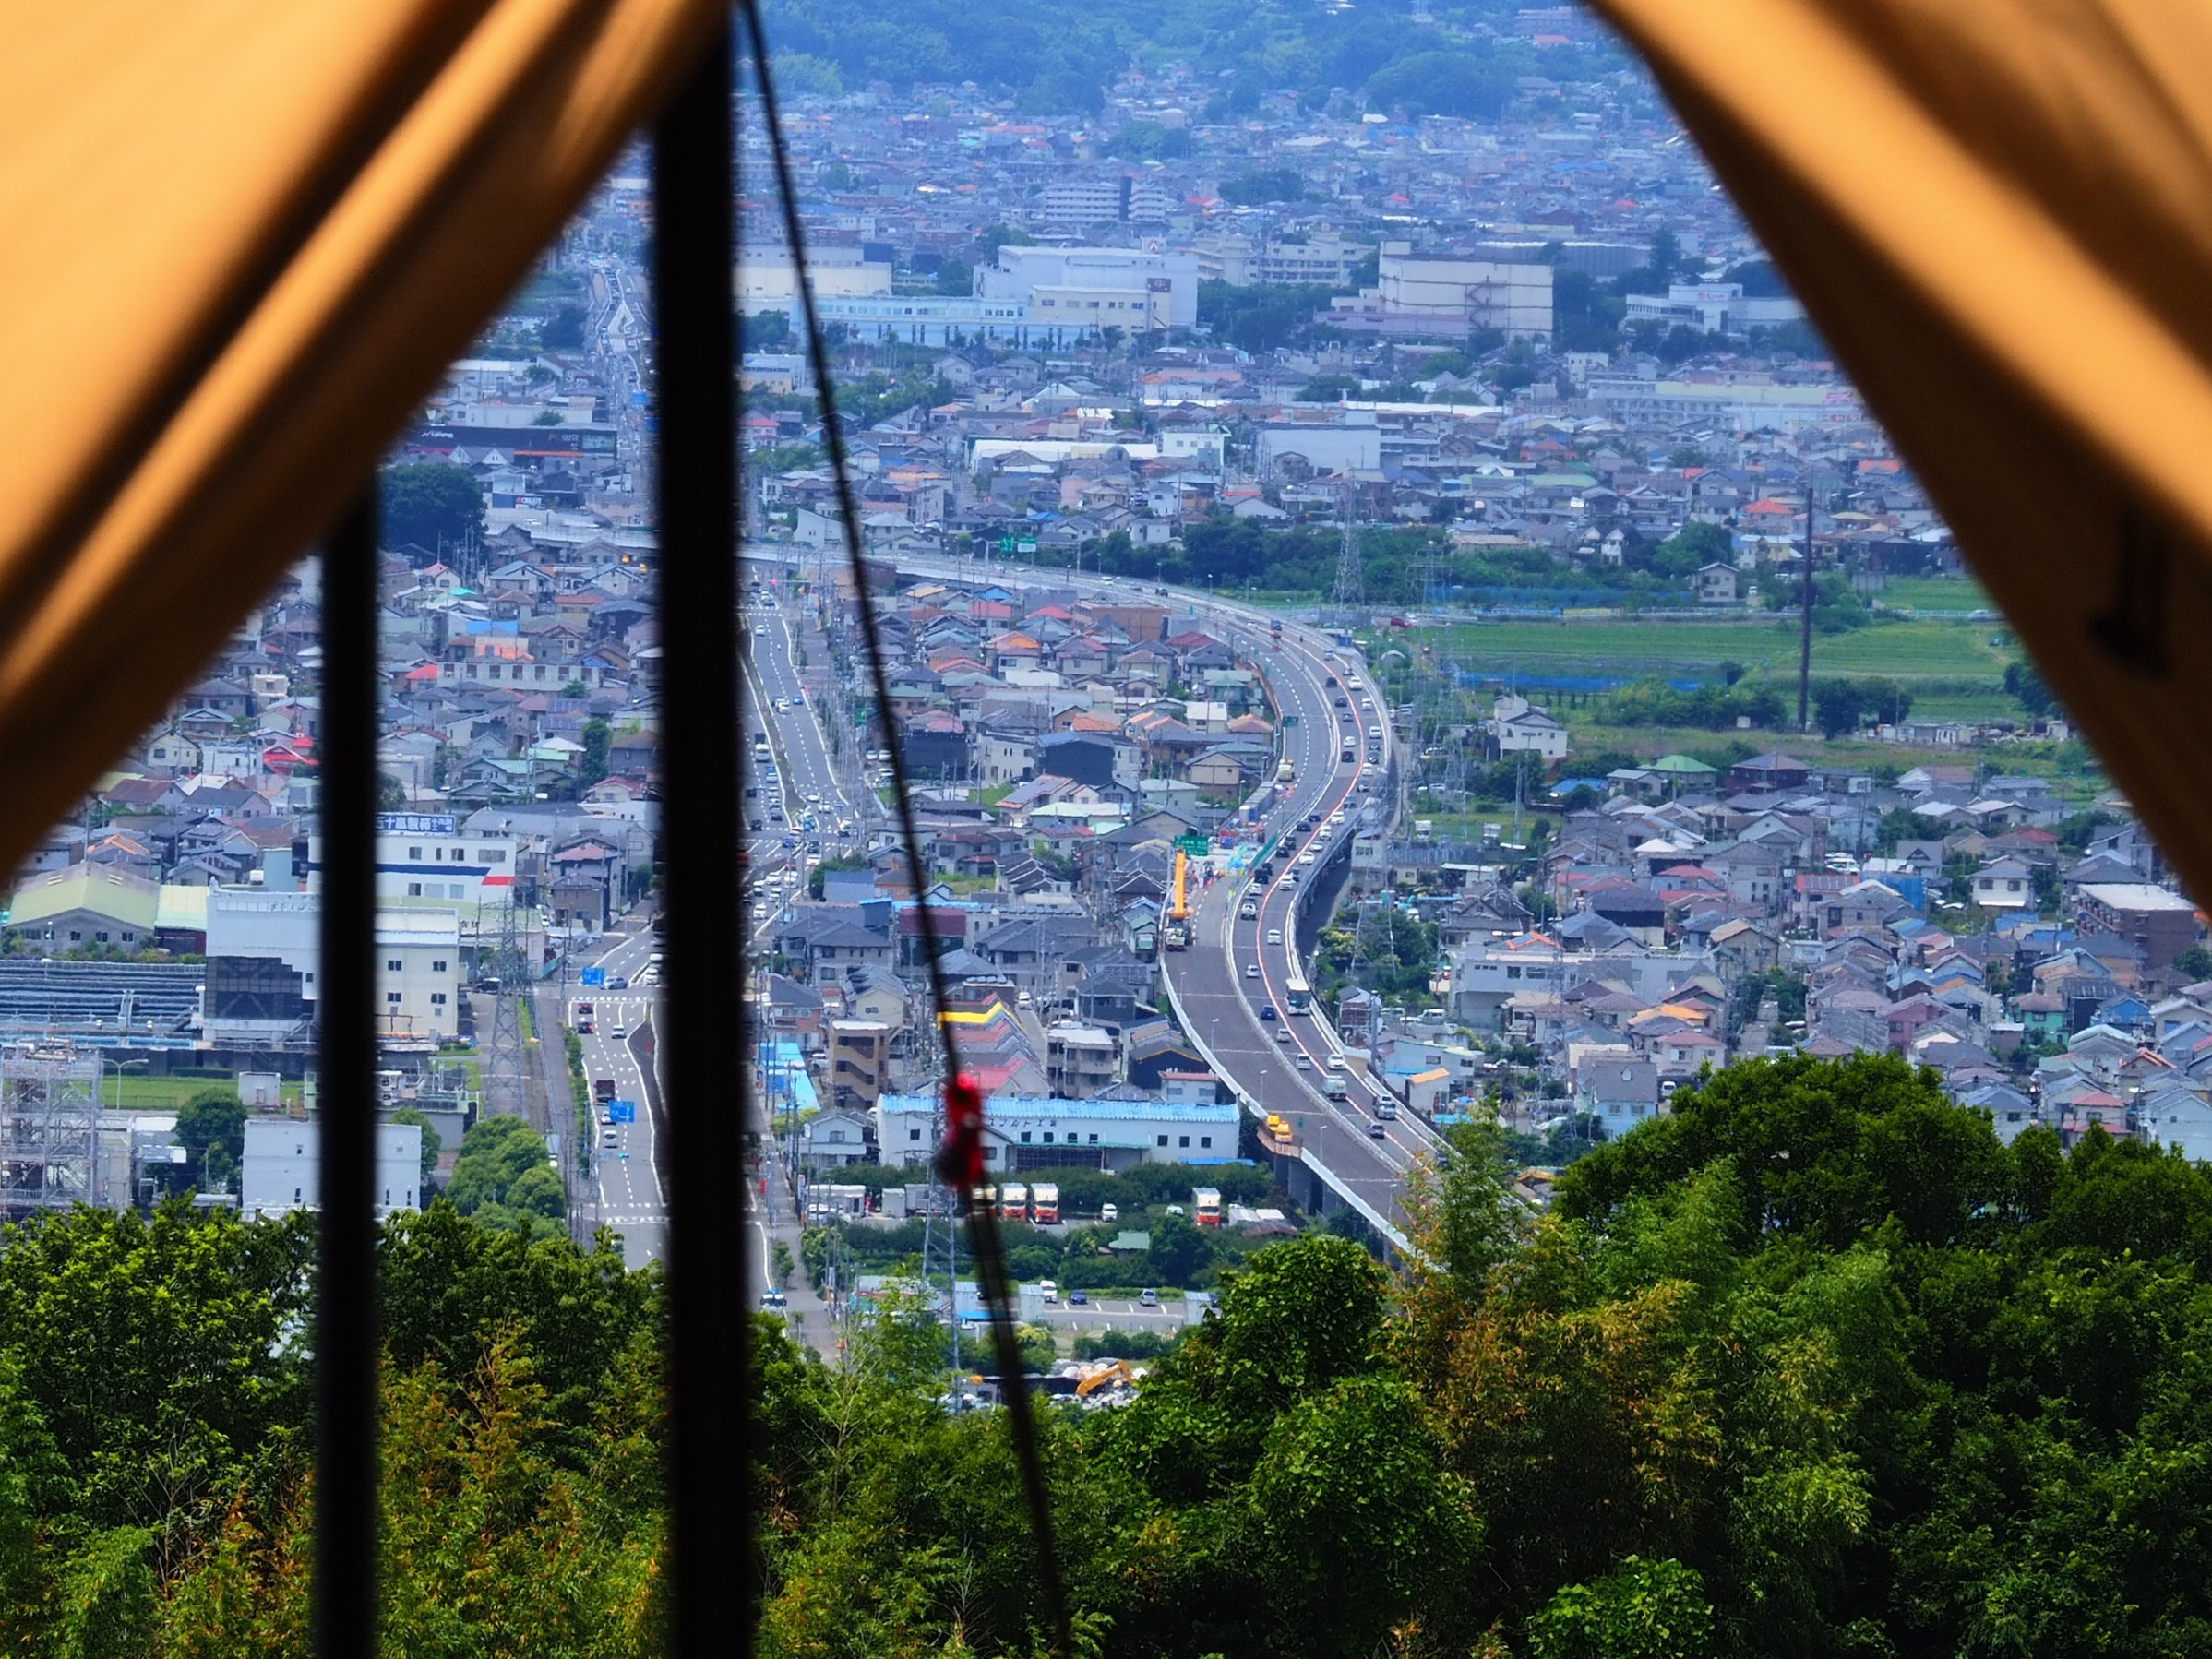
column 1013, row 1202
column 1205, row 1206
column 1044, row 1204
column 1296, row 993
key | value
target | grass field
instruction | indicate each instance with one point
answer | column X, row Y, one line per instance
column 1934, row 593
column 140, row 1092
column 1950, row 656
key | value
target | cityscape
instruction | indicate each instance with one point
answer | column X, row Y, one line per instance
column 1578, row 1056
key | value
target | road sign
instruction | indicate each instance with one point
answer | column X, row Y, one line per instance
column 1026, row 545
column 1198, row 846
column 593, row 977
column 623, row 1110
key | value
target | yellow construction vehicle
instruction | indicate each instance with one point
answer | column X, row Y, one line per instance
column 1175, row 934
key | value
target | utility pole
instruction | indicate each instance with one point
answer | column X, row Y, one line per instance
column 1805, row 629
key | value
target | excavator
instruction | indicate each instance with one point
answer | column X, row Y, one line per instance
column 1176, row 935
column 1115, row 1373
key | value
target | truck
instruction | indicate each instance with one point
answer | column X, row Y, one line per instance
column 1044, row 1203
column 1424, row 830
column 1013, row 1202
column 1205, row 1206
column 603, row 1089
column 1286, row 773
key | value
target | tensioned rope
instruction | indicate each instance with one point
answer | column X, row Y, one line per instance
column 960, row 1158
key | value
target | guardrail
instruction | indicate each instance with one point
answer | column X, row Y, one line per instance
column 1335, row 1182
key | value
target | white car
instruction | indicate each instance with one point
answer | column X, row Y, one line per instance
column 1274, row 936
column 1303, row 1064
column 1251, row 969
column 1309, row 858
column 1336, row 1062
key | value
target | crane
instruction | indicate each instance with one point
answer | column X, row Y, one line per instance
column 1176, row 935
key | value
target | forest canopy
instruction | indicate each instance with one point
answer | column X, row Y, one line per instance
column 1818, row 1365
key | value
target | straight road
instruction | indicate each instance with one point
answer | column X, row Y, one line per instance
column 625, row 1168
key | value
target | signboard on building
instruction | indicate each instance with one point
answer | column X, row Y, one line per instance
column 417, row 823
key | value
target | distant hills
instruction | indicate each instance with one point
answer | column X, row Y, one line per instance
column 1459, row 59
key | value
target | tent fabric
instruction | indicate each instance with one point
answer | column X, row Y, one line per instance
column 245, row 240
column 2000, row 216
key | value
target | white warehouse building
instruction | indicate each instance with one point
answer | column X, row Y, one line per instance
column 1023, row 1132
column 1077, row 289
column 264, row 951
column 283, row 1161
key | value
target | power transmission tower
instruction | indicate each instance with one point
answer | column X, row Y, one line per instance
column 506, row 1074
column 1351, row 586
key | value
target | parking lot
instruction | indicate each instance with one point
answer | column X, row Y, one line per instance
column 1122, row 1313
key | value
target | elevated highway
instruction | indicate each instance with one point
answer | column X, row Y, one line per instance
column 1238, row 964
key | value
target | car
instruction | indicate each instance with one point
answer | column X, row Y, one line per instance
column 1303, row 1064
column 610, row 1137
column 1284, row 1037
column 1079, row 1298
column 1148, row 1297
column 1267, row 1010
column 1290, row 878
column 619, row 1033
column 1109, row 1212
column 1336, row 1062
column 1251, row 912
column 606, row 1117
column 1175, row 1209
column 1375, row 1131
column 617, row 982
column 774, row 1298
column 1251, row 969
column 1309, row 858
column 1274, row 936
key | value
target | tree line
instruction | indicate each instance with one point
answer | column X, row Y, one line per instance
column 1816, row 1365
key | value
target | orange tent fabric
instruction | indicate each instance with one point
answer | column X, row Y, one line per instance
column 2000, row 213
column 244, row 241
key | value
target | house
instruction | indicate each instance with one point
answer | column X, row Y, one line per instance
column 2006, row 884
column 1517, row 726
column 1714, row 584
column 836, row 1138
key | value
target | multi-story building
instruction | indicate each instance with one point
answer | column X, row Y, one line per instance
column 283, row 1166
column 263, row 956
column 2160, row 923
column 1079, row 203
column 1081, row 1060
column 1021, row 1132
column 1081, row 290
column 860, row 1061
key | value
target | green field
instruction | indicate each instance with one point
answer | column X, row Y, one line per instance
column 1932, row 657
column 140, row 1092
column 1934, row 593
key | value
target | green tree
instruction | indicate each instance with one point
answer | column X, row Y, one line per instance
column 429, row 504
column 598, row 740
column 496, row 1153
column 434, row 1144
column 210, row 1126
column 955, row 276
column 1644, row 1610
column 563, row 329
column 1177, row 1252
